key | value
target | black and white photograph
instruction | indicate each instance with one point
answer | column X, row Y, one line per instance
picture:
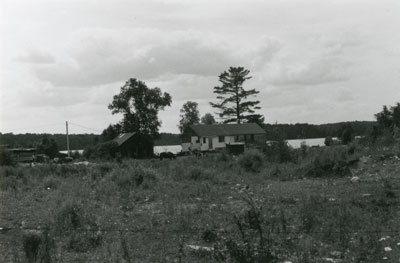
column 237, row 131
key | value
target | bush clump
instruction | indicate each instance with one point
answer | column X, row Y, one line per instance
column 105, row 150
column 279, row 151
column 330, row 161
column 134, row 177
column 251, row 160
column 6, row 158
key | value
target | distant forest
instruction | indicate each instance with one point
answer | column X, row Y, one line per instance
column 31, row 140
column 274, row 132
column 308, row 131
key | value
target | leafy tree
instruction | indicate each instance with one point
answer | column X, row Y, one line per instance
column 48, row 147
column 189, row 115
column 384, row 118
column 140, row 105
column 111, row 132
column 105, row 150
column 346, row 134
column 389, row 118
column 233, row 104
column 328, row 141
column 208, row 118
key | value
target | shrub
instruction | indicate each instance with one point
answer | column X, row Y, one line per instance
column 38, row 246
column 134, row 177
column 106, row 150
column 279, row 151
column 6, row 158
column 328, row 141
column 346, row 133
column 209, row 235
column 329, row 161
column 251, row 160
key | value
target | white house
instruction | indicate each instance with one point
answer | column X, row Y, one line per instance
column 217, row 136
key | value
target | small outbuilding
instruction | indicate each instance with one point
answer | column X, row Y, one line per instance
column 135, row 145
column 24, row 155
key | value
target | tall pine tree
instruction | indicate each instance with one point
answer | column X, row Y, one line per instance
column 233, row 102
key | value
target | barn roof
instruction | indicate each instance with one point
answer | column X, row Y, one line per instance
column 227, row 129
column 123, row 137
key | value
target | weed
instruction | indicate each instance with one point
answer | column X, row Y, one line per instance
column 198, row 174
column 83, row 241
column 310, row 212
column 51, row 183
column 9, row 183
column 251, row 242
column 209, row 235
column 31, row 243
column 80, row 231
column 38, row 246
column 128, row 179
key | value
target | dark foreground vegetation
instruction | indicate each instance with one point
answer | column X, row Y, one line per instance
column 329, row 204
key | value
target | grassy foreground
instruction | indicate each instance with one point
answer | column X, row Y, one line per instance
column 215, row 208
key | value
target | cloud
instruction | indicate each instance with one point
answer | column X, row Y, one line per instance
column 36, row 57
column 345, row 95
column 314, row 72
column 109, row 58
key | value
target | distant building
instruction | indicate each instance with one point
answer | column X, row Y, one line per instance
column 219, row 136
column 133, row 145
column 23, row 155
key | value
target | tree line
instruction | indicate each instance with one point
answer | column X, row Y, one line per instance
column 139, row 106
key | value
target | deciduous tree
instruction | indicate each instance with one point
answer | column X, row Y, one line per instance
column 208, row 118
column 111, row 132
column 139, row 106
column 189, row 115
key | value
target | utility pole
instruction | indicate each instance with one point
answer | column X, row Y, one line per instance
column 66, row 125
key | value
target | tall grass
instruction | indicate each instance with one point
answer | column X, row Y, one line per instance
column 244, row 209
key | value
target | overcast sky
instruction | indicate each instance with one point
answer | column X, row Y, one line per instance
column 312, row 61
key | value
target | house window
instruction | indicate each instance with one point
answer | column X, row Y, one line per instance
column 252, row 138
column 204, row 139
column 221, row 139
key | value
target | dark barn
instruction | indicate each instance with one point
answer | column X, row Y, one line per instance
column 134, row 145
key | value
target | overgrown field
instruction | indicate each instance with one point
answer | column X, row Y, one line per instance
column 332, row 204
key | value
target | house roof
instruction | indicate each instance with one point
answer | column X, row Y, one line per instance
column 123, row 137
column 227, row 129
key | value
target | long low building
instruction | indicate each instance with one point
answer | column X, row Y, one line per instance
column 218, row 136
